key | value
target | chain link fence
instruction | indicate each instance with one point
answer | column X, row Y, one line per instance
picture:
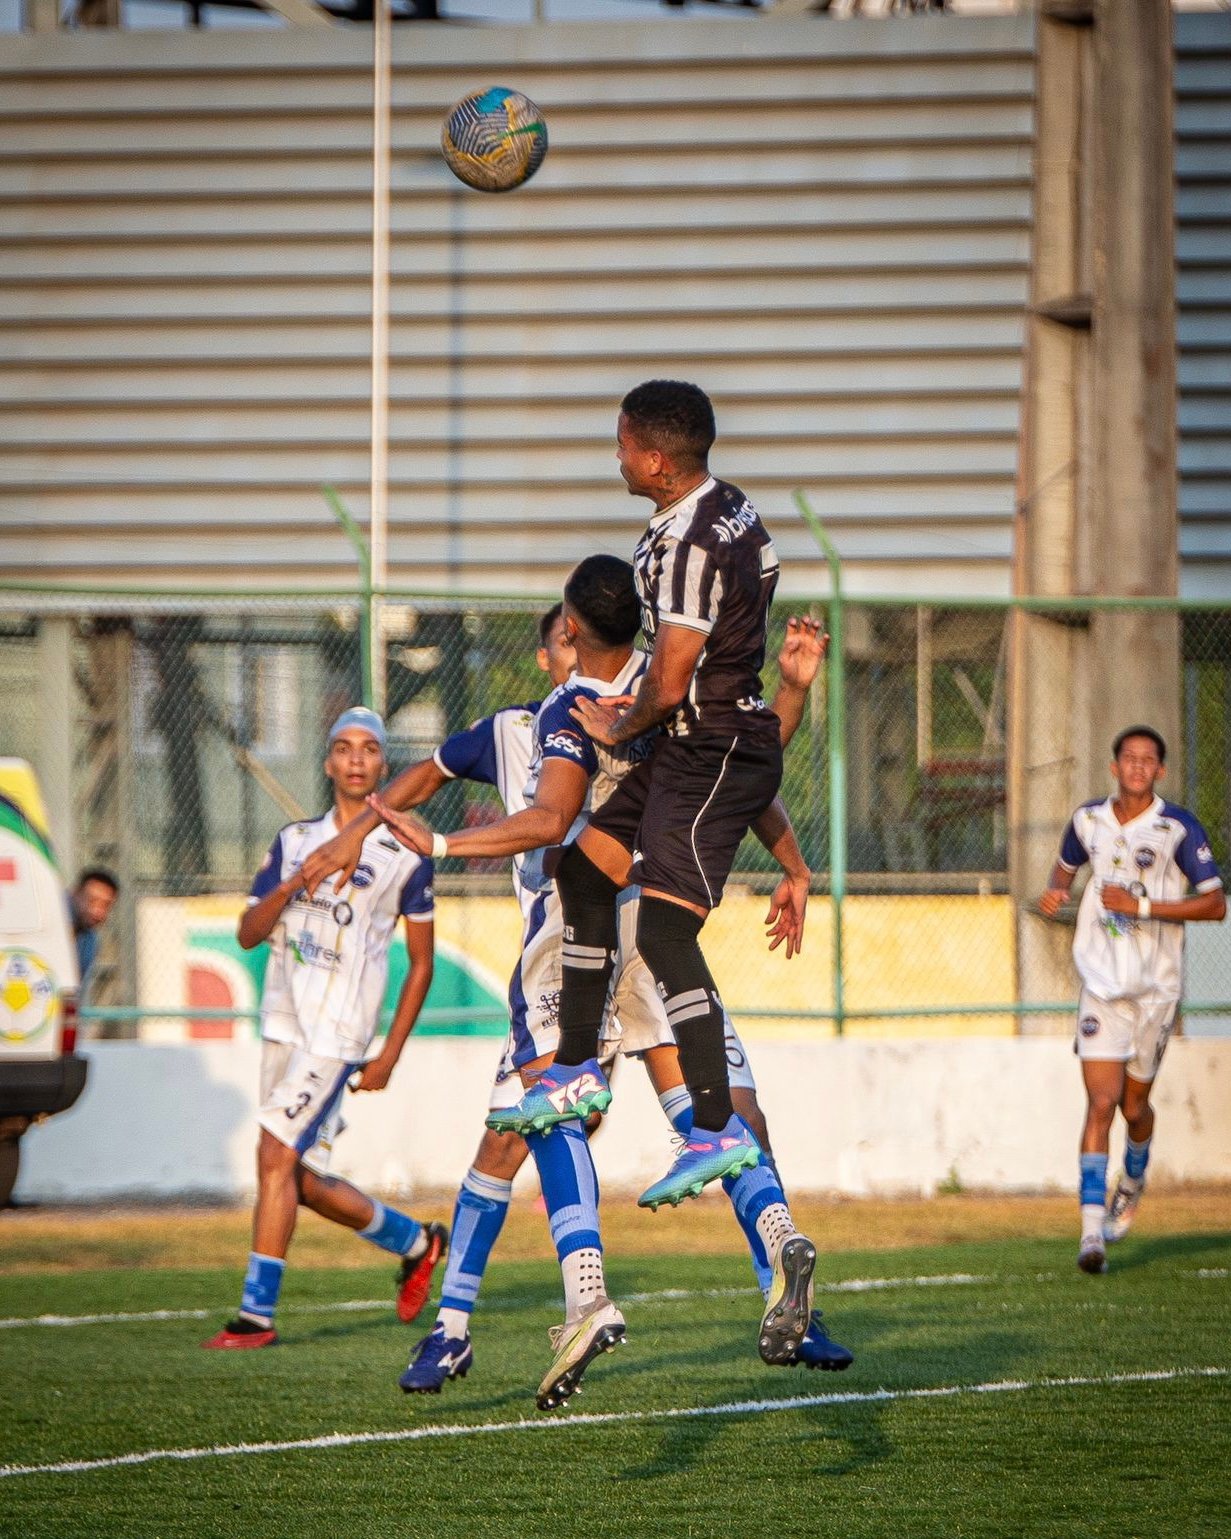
column 197, row 730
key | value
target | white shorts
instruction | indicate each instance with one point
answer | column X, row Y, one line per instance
column 301, row 1100
column 1133, row 1032
column 635, row 1019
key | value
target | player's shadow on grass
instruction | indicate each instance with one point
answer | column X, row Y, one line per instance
column 1137, row 1251
column 832, row 1440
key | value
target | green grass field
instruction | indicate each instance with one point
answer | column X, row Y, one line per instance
column 1006, row 1395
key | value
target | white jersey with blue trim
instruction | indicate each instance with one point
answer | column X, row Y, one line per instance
column 1160, row 855
column 329, row 954
column 496, row 751
column 558, row 736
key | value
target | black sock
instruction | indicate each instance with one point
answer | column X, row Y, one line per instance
column 588, row 901
column 667, row 940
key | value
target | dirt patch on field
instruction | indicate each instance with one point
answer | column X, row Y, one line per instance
column 54, row 1239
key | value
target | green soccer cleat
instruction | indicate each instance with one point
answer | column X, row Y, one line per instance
column 556, row 1096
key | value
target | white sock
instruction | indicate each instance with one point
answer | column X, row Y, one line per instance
column 419, row 1248
column 775, row 1226
column 583, row 1281
column 1092, row 1216
column 456, row 1323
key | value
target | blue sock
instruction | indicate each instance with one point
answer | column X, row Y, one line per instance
column 570, row 1187
column 1093, row 1180
column 478, row 1217
column 1136, row 1158
column 392, row 1231
column 751, row 1192
column 262, row 1284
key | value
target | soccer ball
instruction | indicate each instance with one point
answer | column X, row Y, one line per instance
column 494, row 140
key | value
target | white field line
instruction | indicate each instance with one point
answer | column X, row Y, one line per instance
column 351, row 1306
column 606, row 1419
column 662, row 1296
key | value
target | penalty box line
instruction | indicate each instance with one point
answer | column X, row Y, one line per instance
column 607, row 1419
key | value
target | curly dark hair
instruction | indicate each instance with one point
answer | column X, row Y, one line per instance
column 546, row 621
column 673, row 417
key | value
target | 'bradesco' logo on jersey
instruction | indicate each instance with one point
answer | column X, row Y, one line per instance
column 364, row 876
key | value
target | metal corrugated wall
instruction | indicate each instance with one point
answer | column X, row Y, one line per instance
column 824, row 223
column 1203, row 246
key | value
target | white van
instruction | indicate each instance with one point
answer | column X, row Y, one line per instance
column 40, row 1072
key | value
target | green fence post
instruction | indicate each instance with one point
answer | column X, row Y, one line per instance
column 837, row 756
column 367, row 630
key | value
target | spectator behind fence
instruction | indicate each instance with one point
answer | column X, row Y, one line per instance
column 90, row 904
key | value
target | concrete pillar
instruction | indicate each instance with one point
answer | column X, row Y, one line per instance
column 56, row 704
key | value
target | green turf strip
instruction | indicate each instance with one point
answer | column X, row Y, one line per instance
column 1106, row 1459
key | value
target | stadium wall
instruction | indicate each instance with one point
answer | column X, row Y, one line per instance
column 826, row 223
column 849, row 1117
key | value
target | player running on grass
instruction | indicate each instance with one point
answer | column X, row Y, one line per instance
column 568, row 774
column 1144, row 855
column 324, row 986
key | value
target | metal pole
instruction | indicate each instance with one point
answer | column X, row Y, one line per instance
column 379, row 495
column 837, row 755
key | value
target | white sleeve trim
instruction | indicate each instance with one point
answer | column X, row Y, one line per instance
column 1064, row 865
column 420, row 918
column 689, row 622
column 1210, row 884
column 442, row 766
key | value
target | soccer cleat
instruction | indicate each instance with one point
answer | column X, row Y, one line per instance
column 414, row 1278
column 242, row 1335
column 816, row 1350
column 1122, row 1209
column 788, row 1309
column 437, row 1359
column 556, row 1096
column 704, row 1157
column 576, row 1344
column 1092, row 1257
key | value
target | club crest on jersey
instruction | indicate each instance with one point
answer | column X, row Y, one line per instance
column 1144, row 858
column 364, row 876
column 1089, row 1025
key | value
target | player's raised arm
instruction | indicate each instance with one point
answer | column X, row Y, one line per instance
column 410, row 788
column 803, row 651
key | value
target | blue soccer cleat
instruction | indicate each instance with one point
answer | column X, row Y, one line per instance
column 817, row 1351
column 558, row 1095
column 437, row 1359
column 704, row 1157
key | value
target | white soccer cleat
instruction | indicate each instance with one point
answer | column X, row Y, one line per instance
column 577, row 1343
column 1092, row 1257
column 1122, row 1209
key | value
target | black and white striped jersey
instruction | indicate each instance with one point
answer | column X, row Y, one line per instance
column 707, row 562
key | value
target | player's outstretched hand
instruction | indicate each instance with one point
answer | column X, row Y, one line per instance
column 802, row 652
column 599, row 716
column 340, row 854
column 785, row 920
column 1052, row 901
column 404, row 826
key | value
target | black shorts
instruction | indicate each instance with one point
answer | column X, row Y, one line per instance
column 683, row 811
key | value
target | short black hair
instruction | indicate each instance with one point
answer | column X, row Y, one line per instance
column 673, row 417
column 546, row 621
column 1139, row 731
column 602, row 591
column 99, row 874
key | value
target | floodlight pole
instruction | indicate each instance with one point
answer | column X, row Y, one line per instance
column 379, row 492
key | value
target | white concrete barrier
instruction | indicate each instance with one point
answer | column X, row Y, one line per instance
column 850, row 1117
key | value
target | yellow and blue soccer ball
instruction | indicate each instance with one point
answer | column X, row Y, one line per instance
column 494, row 140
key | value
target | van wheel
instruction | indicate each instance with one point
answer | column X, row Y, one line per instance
column 10, row 1158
